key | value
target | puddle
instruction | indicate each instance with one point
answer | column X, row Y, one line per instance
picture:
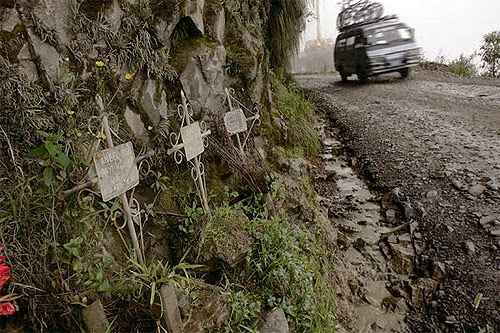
column 359, row 221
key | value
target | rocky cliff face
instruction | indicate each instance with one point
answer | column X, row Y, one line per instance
column 56, row 57
column 70, row 67
column 138, row 53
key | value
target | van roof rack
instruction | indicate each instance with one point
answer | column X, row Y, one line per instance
column 384, row 18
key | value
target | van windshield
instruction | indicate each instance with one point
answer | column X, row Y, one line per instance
column 387, row 35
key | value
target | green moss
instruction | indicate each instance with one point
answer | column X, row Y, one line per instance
column 177, row 195
column 167, row 9
column 185, row 39
column 299, row 116
column 181, row 52
column 12, row 42
column 249, row 17
column 225, row 231
column 240, row 61
column 289, row 126
column 210, row 18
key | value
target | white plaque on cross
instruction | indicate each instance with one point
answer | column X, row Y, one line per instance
column 193, row 140
column 116, row 170
column 235, row 121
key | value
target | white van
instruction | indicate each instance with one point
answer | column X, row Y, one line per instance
column 381, row 46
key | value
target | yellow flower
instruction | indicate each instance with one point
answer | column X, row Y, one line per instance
column 79, row 134
column 99, row 63
column 66, row 59
column 70, row 112
column 103, row 136
column 150, row 128
column 129, row 76
column 113, row 70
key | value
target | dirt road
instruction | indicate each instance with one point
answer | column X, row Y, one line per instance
column 430, row 145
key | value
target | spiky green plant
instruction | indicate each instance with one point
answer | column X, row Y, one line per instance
column 285, row 24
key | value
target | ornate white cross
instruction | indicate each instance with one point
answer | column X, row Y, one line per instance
column 123, row 196
column 191, row 139
column 236, row 120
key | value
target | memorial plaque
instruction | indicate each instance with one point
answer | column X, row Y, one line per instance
column 235, row 121
column 192, row 140
column 117, row 170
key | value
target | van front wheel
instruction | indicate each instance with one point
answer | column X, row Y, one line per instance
column 405, row 72
column 362, row 76
column 343, row 76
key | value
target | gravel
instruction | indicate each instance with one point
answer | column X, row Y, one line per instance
column 436, row 138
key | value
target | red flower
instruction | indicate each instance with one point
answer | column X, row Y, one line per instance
column 4, row 274
column 7, row 309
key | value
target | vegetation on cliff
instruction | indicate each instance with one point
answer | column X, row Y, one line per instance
column 67, row 250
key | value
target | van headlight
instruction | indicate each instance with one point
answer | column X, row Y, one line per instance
column 405, row 33
column 415, row 53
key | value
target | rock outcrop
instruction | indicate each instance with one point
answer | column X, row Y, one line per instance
column 197, row 46
column 56, row 56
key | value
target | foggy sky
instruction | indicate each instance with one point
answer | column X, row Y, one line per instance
column 442, row 27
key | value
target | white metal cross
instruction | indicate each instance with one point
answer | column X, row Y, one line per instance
column 236, row 120
column 191, row 139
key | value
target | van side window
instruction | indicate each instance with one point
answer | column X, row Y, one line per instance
column 359, row 41
column 350, row 42
column 341, row 43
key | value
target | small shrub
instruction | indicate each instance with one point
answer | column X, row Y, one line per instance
column 490, row 53
column 286, row 268
column 463, row 66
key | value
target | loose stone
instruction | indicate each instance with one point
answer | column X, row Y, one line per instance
column 477, row 190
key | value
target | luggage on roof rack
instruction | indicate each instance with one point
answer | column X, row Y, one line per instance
column 387, row 18
column 358, row 13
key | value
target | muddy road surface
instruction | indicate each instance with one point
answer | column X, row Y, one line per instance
column 429, row 146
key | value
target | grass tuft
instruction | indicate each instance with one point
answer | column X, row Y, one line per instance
column 299, row 137
column 288, row 269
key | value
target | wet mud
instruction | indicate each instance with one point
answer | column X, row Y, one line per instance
column 357, row 215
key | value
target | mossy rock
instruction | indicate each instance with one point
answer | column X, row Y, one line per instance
column 207, row 307
column 185, row 38
column 225, row 241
